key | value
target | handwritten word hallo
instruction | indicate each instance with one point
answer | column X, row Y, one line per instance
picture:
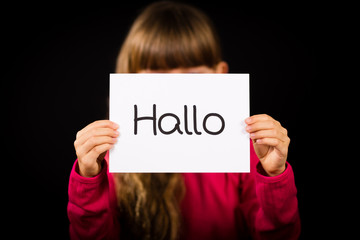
column 157, row 123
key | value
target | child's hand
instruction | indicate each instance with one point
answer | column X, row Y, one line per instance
column 270, row 142
column 91, row 145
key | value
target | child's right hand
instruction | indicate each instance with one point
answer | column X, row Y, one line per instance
column 91, row 145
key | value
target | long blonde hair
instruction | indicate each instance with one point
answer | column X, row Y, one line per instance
column 165, row 35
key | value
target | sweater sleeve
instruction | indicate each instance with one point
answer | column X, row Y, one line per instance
column 92, row 206
column 269, row 204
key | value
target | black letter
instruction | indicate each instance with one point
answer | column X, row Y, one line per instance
column 222, row 123
column 136, row 119
column 176, row 127
column 186, row 122
column 195, row 127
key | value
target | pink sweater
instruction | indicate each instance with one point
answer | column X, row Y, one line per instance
column 216, row 205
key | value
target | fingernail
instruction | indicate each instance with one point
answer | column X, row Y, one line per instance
column 114, row 140
column 116, row 126
column 248, row 120
column 117, row 133
column 248, row 128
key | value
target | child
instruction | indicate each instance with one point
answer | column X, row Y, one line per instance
column 176, row 38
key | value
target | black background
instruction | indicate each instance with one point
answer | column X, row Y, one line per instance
column 56, row 82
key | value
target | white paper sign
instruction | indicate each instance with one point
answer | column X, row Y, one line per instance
column 180, row 122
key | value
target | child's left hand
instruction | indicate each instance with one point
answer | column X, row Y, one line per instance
column 270, row 142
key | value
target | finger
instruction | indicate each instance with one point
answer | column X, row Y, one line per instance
column 273, row 142
column 94, row 142
column 96, row 151
column 261, row 125
column 259, row 117
column 282, row 147
column 257, row 122
column 98, row 124
column 272, row 133
column 95, row 132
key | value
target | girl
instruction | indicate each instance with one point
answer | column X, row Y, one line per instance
column 176, row 38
